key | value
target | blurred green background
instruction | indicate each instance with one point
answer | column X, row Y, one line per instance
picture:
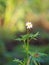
column 12, row 24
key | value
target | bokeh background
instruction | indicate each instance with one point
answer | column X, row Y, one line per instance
column 12, row 25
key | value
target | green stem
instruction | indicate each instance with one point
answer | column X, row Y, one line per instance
column 27, row 43
column 28, row 62
column 35, row 62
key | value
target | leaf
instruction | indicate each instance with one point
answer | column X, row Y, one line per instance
column 19, row 39
column 19, row 61
column 25, row 37
column 35, row 35
column 42, row 54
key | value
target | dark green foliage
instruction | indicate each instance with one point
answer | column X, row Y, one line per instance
column 6, row 58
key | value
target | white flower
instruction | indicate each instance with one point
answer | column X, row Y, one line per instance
column 29, row 25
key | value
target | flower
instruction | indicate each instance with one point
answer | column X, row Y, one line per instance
column 29, row 25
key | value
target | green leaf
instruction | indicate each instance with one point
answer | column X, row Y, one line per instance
column 25, row 37
column 35, row 35
column 19, row 39
column 19, row 61
column 42, row 54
